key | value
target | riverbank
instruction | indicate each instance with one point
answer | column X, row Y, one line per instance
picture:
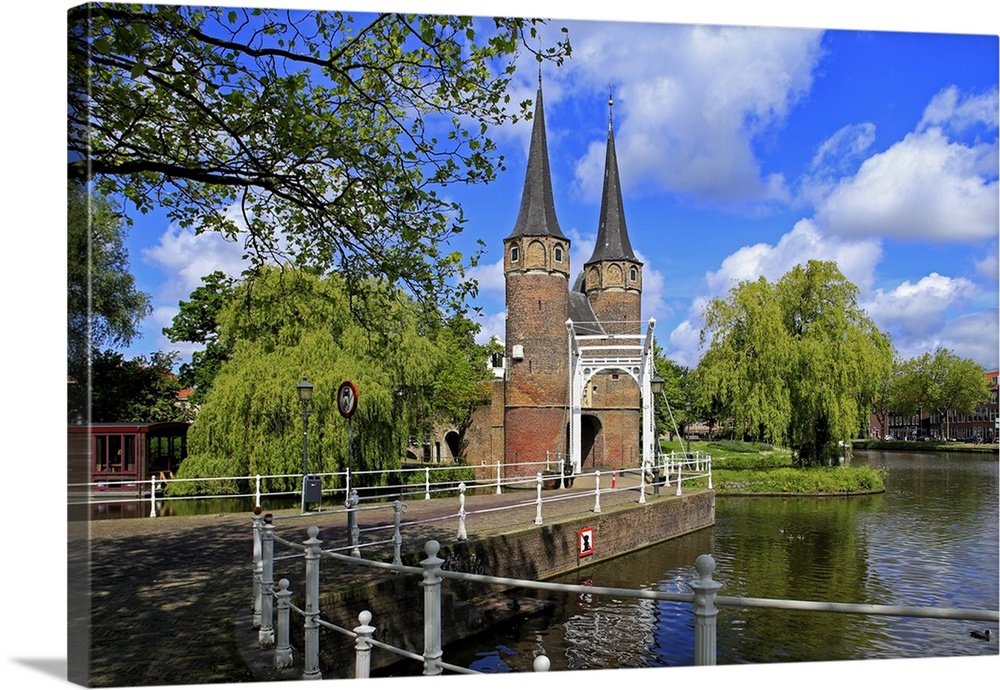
column 985, row 449
column 741, row 468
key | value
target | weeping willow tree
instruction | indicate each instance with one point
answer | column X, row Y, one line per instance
column 417, row 368
column 796, row 362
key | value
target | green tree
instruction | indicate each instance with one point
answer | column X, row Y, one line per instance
column 332, row 136
column 135, row 390
column 197, row 321
column 673, row 409
column 103, row 306
column 288, row 324
column 796, row 362
column 940, row 381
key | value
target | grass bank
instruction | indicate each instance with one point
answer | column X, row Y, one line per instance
column 740, row 468
column 985, row 449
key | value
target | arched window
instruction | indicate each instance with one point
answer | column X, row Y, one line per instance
column 558, row 255
column 633, row 274
column 515, row 254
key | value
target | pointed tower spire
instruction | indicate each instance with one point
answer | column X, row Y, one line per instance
column 537, row 216
column 612, row 235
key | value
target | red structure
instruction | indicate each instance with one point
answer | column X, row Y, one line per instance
column 119, row 456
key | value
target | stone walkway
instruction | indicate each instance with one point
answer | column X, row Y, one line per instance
column 167, row 592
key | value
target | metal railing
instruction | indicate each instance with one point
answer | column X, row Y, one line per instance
column 273, row 606
column 673, row 468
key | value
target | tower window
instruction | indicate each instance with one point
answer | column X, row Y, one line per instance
column 558, row 254
column 633, row 274
column 515, row 254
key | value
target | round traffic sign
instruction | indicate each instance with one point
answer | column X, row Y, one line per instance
column 347, row 399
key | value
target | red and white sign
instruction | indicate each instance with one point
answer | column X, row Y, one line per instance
column 585, row 540
column 347, row 399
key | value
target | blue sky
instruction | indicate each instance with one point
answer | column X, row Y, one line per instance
column 743, row 151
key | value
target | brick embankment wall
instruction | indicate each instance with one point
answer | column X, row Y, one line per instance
column 531, row 553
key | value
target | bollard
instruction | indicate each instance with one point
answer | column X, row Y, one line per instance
column 282, row 646
column 642, row 482
column 498, row 478
column 680, row 479
column 311, row 634
column 614, row 477
column 427, row 483
column 258, row 565
column 462, row 535
column 432, row 608
column 353, row 530
column 538, row 500
column 257, row 493
column 265, row 635
column 597, row 491
column 397, row 536
column 363, row 646
column 705, row 611
column 152, row 497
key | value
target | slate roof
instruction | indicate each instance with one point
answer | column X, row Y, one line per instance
column 537, row 216
column 612, row 235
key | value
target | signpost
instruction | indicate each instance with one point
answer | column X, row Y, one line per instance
column 347, row 403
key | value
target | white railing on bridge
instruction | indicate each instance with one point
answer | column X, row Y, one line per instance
column 671, row 470
column 273, row 606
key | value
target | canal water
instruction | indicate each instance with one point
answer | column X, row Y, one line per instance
column 930, row 540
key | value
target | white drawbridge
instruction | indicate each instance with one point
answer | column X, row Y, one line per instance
column 592, row 354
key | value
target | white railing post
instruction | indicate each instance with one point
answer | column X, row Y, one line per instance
column 427, row 483
column 258, row 521
column 667, row 466
column 265, row 635
column 283, row 646
column 642, row 482
column 363, row 646
column 397, row 535
column 311, row 633
column 354, row 532
column 432, row 608
column 680, row 479
column 462, row 535
column 709, row 464
column 705, row 611
column 257, row 492
column 538, row 500
column 597, row 491
column 498, row 478
column 152, row 497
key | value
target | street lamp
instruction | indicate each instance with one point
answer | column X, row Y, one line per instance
column 656, row 384
column 656, row 388
column 305, row 390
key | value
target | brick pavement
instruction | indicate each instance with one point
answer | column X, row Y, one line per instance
column 167, row 592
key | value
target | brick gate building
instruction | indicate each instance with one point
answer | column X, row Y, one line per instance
column 531, row 417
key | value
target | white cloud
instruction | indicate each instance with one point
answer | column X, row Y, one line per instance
column 855, row 259
column 913, row 311
column 186, row 257
column 690, row 102
column 489, row 276
column 960, row 112
column 491, row 325
column 924, row 187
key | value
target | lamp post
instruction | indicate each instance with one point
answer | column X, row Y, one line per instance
column 305, row 390
column 656, row 388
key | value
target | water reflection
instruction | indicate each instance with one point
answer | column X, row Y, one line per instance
column 930, row 540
